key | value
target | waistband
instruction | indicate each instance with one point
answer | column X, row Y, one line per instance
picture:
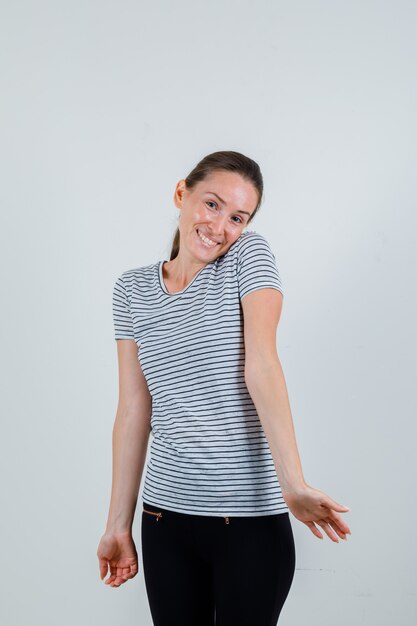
column 160, row 512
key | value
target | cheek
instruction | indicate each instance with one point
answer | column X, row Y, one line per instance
column 201, row 215
column 234, row 232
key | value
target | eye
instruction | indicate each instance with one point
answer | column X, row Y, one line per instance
column 215, row 203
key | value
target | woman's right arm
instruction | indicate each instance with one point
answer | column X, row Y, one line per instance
column 116, row 551
column 131, row 432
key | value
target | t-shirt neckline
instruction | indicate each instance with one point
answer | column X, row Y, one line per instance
column 177, row 293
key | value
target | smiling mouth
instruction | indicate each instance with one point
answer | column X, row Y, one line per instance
column 208, row 242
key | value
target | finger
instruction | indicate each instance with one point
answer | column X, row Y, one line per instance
column 133, row 571
column 340, row 523
column 128, row 572
column 332, row 504
column 121, row 579
column 115, row 581
column 123, row 572
column 314, row 530
column 328, row 530
column 120, row 576
column 103, row 567
column 328, row 502
column 113, row 575
column 336, row 528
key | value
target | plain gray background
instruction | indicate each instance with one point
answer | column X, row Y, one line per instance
column 105, row 105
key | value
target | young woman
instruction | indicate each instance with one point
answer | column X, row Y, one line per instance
column 198, row 367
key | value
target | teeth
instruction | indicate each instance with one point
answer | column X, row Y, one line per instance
column 206, row 241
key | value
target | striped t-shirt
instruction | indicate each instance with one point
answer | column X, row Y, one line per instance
column 209, row 454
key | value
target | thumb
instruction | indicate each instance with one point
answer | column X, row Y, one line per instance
column 336, row 506
column 103, row 566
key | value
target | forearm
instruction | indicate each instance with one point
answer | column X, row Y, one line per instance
column 268, row 390
column 130, row 443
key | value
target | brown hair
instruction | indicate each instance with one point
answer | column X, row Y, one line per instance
column 223, row 160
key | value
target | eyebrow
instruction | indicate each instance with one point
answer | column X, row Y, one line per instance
column 225, row 203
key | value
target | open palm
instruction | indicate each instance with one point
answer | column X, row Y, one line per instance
column 117, row 552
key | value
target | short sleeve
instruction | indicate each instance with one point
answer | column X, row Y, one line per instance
column 122, row 319
column 257, row 266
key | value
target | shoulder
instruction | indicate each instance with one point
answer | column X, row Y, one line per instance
column 252, row 243
column 135, row 277
column 248, row 240
column 137, row 273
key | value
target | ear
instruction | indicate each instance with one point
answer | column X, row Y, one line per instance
column 179, row 193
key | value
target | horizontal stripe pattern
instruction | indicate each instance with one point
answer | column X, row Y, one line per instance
column 209, row 454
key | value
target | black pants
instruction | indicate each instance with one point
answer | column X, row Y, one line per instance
column 208, row 570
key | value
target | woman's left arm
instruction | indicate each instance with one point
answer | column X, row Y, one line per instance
column 265, row 381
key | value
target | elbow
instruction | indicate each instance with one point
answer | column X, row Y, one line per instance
column 257, row 370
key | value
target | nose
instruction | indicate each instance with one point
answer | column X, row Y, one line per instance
column 218, row 225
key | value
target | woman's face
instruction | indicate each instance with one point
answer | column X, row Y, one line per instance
column 218, row 209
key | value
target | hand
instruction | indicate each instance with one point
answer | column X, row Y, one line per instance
column 311, row 505
column 118, row 552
